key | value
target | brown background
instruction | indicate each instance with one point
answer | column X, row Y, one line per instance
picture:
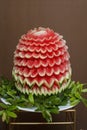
column 68, row 17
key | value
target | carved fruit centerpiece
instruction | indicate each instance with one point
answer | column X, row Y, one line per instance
column 42, row 77
column 41, row 62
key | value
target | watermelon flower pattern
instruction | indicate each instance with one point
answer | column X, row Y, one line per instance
column 41, row 63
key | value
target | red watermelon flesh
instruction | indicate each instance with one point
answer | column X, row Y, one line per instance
column 41, row 62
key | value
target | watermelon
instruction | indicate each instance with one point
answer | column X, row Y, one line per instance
column 41, row 62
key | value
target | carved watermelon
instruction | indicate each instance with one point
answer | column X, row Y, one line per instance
column 41, row 62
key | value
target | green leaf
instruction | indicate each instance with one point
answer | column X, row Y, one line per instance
column 31, row 98
column 84, row 101
column 77, row 95
column 12, row 108
column 72, row 99
column 4, row 116
column 11, row 114
column 84, row 90
column 71, row 84
column 54, row 110
column 46, row 114
column 1, row 112
column 75, row 102
column 3, row 105
column 10, row 93
column 64, row 101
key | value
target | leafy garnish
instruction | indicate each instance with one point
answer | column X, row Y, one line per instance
column 73, row 94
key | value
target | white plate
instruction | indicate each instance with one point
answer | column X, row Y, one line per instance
column 61, row 108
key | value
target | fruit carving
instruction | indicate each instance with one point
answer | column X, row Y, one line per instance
column 41, row 62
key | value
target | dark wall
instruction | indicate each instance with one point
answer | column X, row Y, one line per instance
column 68, row 17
